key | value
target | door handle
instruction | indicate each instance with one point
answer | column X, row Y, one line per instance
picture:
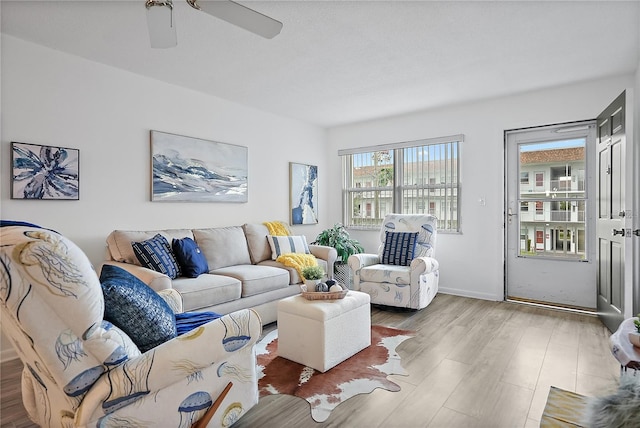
column 622, row 214
column 511, row 214
column 615, row 232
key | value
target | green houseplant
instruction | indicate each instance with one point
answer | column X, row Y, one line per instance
column 338, row 238
column 312, row 272
column 634, row 336
column 312, row 276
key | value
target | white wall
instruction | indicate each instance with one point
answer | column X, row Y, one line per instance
column 471, row 263
column 52, row 98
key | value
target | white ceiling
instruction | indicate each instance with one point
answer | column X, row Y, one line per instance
column 338, row 62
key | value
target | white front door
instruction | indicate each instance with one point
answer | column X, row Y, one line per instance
column 611, row 213
column 550, row 181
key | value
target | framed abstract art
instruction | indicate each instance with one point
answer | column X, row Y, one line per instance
column 44, row 172
column 186, row 169
column 303, row 193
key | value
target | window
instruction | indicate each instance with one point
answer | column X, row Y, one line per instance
column 539, row 179
column 412, row 178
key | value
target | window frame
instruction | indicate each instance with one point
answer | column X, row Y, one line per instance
column 447, row 190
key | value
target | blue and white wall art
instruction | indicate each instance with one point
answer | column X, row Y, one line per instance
column 303, row 181
column 44, row 172
column 189, row 169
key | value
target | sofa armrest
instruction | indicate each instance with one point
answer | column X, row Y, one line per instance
column 326, row 253
column 172, row 362
column 156, row 280
column 173, row 299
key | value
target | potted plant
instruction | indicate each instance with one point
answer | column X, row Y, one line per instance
column 338, row 238
column 312, row 276
column 634, row 336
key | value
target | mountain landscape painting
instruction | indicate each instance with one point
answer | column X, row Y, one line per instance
column 189, row 169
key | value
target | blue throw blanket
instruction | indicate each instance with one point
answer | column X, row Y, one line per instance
column 187, row 321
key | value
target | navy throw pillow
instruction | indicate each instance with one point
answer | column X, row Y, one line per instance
column 399, row 248
column 136, row 309
column 156, row 254
column 190, row 258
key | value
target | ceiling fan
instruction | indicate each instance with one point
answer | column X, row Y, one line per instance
column 162, row 28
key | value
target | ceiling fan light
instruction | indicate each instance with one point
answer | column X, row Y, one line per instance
column 162, row 26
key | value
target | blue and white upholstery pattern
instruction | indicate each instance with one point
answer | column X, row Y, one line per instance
column 80, row 370
column 412, row 286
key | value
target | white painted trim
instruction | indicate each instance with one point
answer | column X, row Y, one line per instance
column 8, row 355
column 466, row 293
column 403, row 145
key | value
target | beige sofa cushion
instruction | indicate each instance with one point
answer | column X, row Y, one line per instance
column 223, row 246
column 207, row 290
column 259, row 249
column 256, row 279
column 119, row 242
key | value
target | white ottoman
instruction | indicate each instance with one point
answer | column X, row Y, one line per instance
column 323, row 333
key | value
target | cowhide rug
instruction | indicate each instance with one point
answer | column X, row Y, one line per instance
column 360, row 374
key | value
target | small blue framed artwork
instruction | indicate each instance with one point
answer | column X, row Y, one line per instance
column 44, row 172
column 303, row 193
column 186, row 169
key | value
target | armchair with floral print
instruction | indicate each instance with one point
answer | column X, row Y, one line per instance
column 404, row 272
column 80, row 370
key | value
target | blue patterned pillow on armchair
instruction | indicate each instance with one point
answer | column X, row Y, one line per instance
column 399, row 248
column 136, row 309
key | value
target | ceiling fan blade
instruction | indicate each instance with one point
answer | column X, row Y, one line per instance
column 162, row 26
column 240, row 16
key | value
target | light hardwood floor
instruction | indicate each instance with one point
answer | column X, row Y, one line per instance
column 472, row 363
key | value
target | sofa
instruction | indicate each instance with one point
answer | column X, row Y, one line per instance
column 242, row 271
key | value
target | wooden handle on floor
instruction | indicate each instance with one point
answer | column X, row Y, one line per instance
column 204, row 420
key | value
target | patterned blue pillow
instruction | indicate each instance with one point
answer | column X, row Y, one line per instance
column 156, row 254
column 190, row 258
column 136, row 309
column 399, row 248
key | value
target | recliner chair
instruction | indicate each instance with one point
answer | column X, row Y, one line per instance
column 80, row 370
column 404, row 273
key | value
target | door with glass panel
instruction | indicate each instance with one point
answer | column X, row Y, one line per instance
column 549, row 255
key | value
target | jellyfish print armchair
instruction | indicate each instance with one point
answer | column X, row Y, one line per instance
column 81, row 371
column 404, row 273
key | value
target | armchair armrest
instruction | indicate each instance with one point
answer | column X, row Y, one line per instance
column 423, row 265
column 324, row 252
column 358, row 261
column 156, row 280
column 171, row 362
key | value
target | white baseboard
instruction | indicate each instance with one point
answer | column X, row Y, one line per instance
column 467, row 293
column 8, row 355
